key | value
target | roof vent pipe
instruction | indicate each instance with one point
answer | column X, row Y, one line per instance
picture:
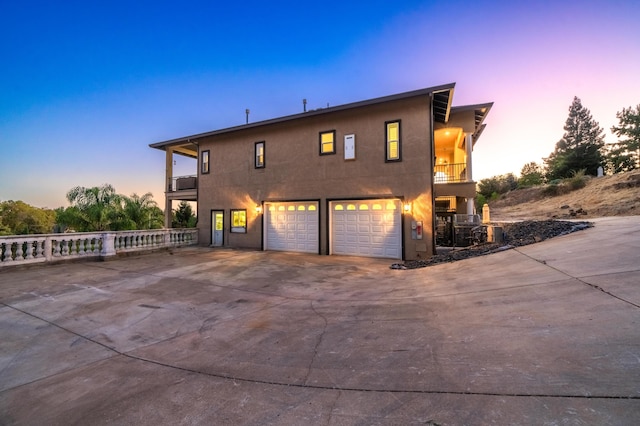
column 304, row 105
column 247, row 113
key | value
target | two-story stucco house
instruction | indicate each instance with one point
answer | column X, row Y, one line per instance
column 364, row 179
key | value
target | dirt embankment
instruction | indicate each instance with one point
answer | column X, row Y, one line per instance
column 617, row 195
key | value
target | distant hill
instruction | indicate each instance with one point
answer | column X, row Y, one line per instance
column 617, row 195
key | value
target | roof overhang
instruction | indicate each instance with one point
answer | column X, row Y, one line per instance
column 441, row 99
column 480, row 112
column 442, row 105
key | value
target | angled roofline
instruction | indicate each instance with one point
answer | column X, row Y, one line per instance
column 481, row 110
column 480, row 113
column 390, row 98
column 473, row 106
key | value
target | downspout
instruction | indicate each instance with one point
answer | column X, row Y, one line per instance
column 432, row 166
column 168, row 185
column 199, row 175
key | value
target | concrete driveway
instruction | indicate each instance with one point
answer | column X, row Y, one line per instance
column 543, row 334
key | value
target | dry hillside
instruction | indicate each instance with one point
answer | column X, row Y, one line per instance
column 617, row 195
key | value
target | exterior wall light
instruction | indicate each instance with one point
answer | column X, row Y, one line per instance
column 407, row 207
column 258, row 209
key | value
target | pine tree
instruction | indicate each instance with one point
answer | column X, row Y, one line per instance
column 580, row 147
column 183, row 216
column 624, row 155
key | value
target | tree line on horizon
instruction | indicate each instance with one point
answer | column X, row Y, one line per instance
column 580, row 152
column 98, row 208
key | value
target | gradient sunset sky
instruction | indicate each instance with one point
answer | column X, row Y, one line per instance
column 85, row 87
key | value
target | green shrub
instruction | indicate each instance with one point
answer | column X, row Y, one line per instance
column 497, row 185
column 577, row 180
column 481, row 200
column 564, row 186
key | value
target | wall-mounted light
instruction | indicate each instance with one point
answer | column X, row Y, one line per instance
column 407, row 207
column 258, row 209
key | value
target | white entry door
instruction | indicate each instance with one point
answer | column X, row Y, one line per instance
column 292, row 226
column 217, row 228
column 371, row 228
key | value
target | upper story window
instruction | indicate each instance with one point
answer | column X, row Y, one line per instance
column 393, row 143
column 239, row 221
column 259, row 155
column 204, row 162
column 328, row 142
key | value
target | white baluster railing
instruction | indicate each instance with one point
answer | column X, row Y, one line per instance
column 27, row 249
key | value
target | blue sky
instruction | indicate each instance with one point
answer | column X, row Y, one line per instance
column 86, row 86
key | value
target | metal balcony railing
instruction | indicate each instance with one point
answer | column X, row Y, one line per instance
column 448, row 173
column 181, row 183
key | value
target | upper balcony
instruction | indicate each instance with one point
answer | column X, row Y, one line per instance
column 451, row 173
column 448, row 173
column 183, row 188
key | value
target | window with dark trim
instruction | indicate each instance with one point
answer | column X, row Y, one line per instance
column 328, row 142
column 239, row 221
column 393, row 141
column 204, row 162
column 259, row 155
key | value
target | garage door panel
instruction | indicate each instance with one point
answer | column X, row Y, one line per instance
column 292, row 226
column 367, row 228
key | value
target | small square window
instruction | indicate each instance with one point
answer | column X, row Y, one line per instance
column 204, row 162
column 393, row 141
column 328, row 142
column 239, row 221
column 259, row 155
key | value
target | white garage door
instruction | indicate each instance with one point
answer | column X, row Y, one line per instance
column 370, row 228
column 292, row 226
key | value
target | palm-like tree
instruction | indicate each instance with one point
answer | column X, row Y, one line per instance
column 96, row 209
column 141, row 211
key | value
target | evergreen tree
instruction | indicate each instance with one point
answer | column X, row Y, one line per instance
column 530, row 175
column 580, row 147
column 183, row 216
column 625, row 154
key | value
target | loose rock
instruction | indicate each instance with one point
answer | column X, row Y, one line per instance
column 515, row 235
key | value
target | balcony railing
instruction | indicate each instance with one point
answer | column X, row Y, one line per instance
column 181, row 183
column 448, row 173
column 26, row 249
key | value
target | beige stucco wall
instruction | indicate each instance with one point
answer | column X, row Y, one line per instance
column 296, row 171
column 464, row 119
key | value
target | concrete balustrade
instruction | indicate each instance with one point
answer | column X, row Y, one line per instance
column 26, row 249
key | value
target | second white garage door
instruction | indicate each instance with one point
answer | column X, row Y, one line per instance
column 371, row 228
column 292, row 226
